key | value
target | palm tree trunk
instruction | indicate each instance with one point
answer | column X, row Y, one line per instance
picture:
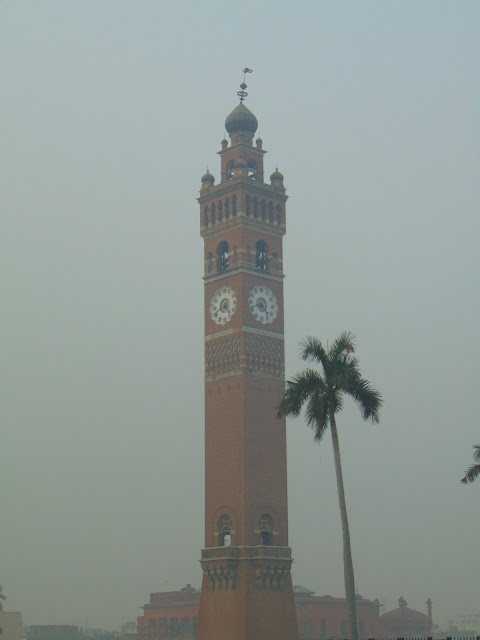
column 347, row 552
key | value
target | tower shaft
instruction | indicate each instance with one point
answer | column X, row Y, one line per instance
column 246, row 588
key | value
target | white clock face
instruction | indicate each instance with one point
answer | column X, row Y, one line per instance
column 223, row 305
column 263, row 304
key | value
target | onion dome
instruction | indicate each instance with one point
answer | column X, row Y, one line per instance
column 240, row 164
column 241, row 119
column 208, row 178
column 276, row 176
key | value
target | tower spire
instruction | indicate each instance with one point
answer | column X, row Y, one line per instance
column 242, row 94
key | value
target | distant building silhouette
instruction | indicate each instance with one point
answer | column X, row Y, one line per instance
column 174, row 614
column 53, row 632
column 406, row 623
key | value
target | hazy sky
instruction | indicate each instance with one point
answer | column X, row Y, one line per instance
column 111, row 111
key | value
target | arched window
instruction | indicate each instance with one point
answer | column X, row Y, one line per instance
column 227, row 209
column 247, row 205
column 270, row 211
column 205, row 217
column 265, row 524
column 224, row 531
column 323, row 628
column 163, row 627
column 220, row 211
column 152, row 624
column 186, row 627
column 174, row 627
column 222, row 256
column 255, row 208
column 252, row 170
column 261, row 255
column 264, row 210
column 307, row 630
column 278, row 214
column 234, row 205
column 213, row 214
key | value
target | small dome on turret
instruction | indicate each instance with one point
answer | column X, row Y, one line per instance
column 208, row 178
column 241, row 119
column 240, row 164
column 276, row 176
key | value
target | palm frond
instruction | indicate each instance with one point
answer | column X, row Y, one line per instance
column 369, row 400
column 298, row 391
column 471, row 474
column 473, row 471
column 312, row 350
column 344, row 372
column 317, row 414
column 344, row 344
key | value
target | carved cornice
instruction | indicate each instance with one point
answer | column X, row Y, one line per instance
column 233, row 271
column 272, row 567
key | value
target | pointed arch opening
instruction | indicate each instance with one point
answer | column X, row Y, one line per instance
column 265, row 525
column 227, row 209
column 278, row 214
column 270, row 212
column 222, row 256
column 248, row 205
column 261, row 255
column 224, row 531
column 229, row 170
column 263, row 207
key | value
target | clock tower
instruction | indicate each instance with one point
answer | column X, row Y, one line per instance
column 247, row 588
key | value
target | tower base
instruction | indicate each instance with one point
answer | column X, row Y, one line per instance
column 247, row 594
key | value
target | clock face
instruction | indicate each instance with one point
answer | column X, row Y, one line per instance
column 223, row 305
column 263, row 304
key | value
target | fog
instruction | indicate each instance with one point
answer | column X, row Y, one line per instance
column 111, row 112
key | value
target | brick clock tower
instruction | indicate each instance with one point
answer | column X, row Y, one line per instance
column 247, row 587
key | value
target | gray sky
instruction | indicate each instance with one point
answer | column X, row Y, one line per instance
column 111, row 112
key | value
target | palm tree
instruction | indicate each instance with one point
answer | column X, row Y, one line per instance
column 322, row 395
column 474, row 470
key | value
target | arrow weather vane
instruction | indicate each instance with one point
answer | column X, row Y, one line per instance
column 243, row 94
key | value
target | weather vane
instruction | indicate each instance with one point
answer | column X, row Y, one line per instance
column 243, row 94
